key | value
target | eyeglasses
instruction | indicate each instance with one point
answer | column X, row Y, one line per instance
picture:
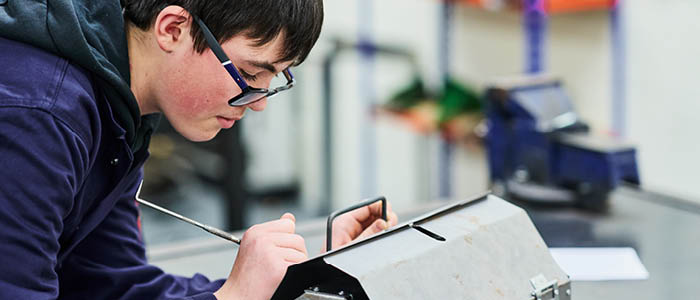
column 248, row 93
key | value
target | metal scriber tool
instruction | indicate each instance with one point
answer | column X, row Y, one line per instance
column 215, row 231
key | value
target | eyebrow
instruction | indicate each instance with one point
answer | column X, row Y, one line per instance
column 263, row 65
column 266, row 65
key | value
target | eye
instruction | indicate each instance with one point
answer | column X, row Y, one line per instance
column 248, row 76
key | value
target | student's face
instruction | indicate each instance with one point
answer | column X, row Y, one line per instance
column 194, row 90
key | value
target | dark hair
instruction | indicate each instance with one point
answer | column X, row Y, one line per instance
column 260, row 20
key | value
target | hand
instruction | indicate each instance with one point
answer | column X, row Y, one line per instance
column 361, row 223
column 265, row 253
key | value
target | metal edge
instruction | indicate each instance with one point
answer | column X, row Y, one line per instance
column 661, row 198
column 407, row 225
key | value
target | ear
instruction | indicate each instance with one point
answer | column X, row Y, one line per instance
column 172, row 28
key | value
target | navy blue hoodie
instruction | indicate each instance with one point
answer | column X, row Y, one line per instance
column 72, row 146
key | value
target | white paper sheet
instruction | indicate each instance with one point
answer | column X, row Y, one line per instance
column 598, row 264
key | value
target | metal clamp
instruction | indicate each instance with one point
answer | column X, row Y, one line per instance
column 337, row 213
column 541, row 287
column 316, row 294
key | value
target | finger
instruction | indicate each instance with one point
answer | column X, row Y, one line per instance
column 291, row 241
column 292, row 256
column 375, row 209
column 366, row 215
column 337, row 242
column 393, row 219
column 377, row 226
column 284, row 225
column 376, row 213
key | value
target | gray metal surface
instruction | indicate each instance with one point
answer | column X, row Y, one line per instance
column 490, row 251
column 663, row 230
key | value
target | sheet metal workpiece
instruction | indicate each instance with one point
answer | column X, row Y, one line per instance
column 482, row 248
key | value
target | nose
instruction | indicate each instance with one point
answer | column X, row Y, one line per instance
column 259, row 105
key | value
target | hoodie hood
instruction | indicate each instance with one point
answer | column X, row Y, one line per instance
column 91, row 34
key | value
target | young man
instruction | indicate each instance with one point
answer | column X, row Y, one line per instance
column 82, row 84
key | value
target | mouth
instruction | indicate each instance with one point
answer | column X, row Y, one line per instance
column 226, row 122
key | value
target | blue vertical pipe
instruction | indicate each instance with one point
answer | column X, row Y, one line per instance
column 535, row 26
column 368, row 139
column 619, row 64
column 446, row 148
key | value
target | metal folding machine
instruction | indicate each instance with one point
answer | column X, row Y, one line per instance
column 483, row 248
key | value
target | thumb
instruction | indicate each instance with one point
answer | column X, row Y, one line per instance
column 377, row 226
column 288, row 216
column 292, row 226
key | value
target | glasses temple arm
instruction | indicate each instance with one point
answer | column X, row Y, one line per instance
column 213, row 43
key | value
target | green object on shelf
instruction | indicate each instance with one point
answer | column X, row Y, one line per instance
column 457, row 99
column 409, row 96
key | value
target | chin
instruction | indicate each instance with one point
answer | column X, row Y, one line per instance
column 200, row 136
column 195, row 131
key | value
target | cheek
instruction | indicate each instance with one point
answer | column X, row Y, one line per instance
column 192, row 93
column 190, row 100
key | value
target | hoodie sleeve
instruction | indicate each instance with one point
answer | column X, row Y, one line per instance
column 111, row 263
column 41, row 163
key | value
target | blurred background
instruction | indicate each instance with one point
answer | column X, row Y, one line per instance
column 403, row 98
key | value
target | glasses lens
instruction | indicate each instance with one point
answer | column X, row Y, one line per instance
column 282, row 82
column 278, row 81
column 247, row 98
